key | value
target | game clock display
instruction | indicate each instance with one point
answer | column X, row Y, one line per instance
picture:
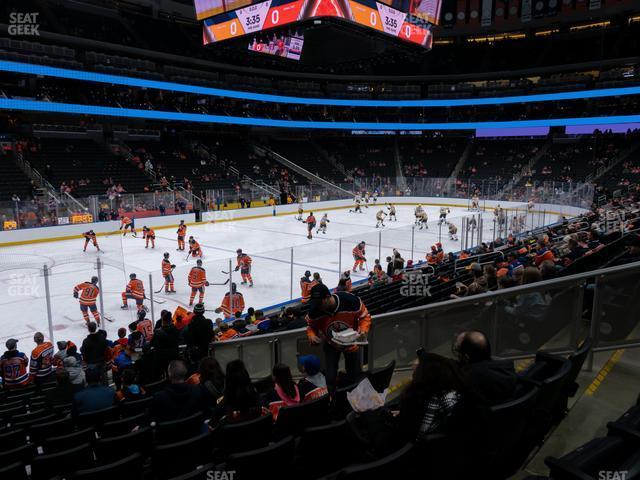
column 276, row 13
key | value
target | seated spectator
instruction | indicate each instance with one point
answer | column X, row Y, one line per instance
column 96, row 396
column 285, row 392
column 433, row 397
column 122, row 337
column 178, row 399
column 241, row 401
column 494, row 380
column 63, row 392
column 226, row 332
column 130, row 389
column 210, row 377
column 313, row 385
column 73, row 366
column 60, row 355
column 165, row 343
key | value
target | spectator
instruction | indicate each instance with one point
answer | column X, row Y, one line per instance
column 178, row 399
column 313, row 385
column 285, row 392
column 199, row 333
column 390, row 265
column 329, row 314
column 241, row 402
column 95, row 348
column 494, row 380
column 433, row 397
column 96, row 396
column 130, row 390
column 13, row 366
column 63, row 392
column 41, row 365
column 73, row 367
column 165, row 343
column 60, row 355
column 210, row 377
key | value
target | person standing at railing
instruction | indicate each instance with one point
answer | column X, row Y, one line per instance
column 330, row 314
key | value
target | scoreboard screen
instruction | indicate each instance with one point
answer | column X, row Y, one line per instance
column 286, row 46
column 379, row 15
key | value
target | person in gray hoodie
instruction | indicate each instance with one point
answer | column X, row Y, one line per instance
column 76, row 375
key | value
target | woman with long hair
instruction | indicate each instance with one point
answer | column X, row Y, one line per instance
column 285, row 391
column 210, row 377
column 241, row 401
column 433, row 398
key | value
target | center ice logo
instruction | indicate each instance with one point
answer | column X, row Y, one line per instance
column 21, row 285
column 415, row 284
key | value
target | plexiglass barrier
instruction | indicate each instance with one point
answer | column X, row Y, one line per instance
column 519, row 322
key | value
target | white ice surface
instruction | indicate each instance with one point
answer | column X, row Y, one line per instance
column 270, row 242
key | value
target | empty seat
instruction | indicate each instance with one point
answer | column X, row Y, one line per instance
column 65, row 442
column 154, row 387
column 273, row 461
column 396, row 465
column 201, row 473
column 11, row 439
column 136, row 407
column 123, row 426
column 191, row 453
column 40, row 431
column 242, row 436
column 62, row 463
column 115, row 448
column 176, row 430
column 97, row 418
column 381, row 378
column 292, row 420
column 323, row 442
column 128, row 467
column 23, row 453
column 14, row 471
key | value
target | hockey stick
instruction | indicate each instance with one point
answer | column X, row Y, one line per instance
column 159, row 302
column 108, row 319
column 210, row 284
column 163, row 285
column 223, row 272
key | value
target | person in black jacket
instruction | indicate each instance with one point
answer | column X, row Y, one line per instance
column 164, row 343
column 178, row 399
column 199, row 334
column 494, row 380
column 94, row 349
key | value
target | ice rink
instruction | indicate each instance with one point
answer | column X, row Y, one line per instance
column 278, row 245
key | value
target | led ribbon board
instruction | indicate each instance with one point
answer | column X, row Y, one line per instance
column 77, row 109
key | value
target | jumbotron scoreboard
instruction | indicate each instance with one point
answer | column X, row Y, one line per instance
column 407, row 20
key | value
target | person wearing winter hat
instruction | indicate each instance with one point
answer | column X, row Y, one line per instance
column 314, row 384
column 199, row 333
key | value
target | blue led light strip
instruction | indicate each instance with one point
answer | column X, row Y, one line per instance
column 42, row 70
column 38, row 106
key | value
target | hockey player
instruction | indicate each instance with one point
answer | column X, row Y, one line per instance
column 182, row 232
column 475, row 203
column 135, row 291
column 300, row 212
column 149, row 234
column 197, row 282
column 392, row 212
column 311, row 224
column 357, row 208
column 444, row 211
column 418, row 214
column 423, row 220
column 87, row 292
column 127, row 223
column 306, row 284
column 359, row 258
column 374, row 197
column 453, row 231
column 194, row 248
column 380, row 218
column 366, row 199
column 244, row 265
column 232, row 302
column 323, row 224
column 167, row 274
column 90, row 236
column 530, row 205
